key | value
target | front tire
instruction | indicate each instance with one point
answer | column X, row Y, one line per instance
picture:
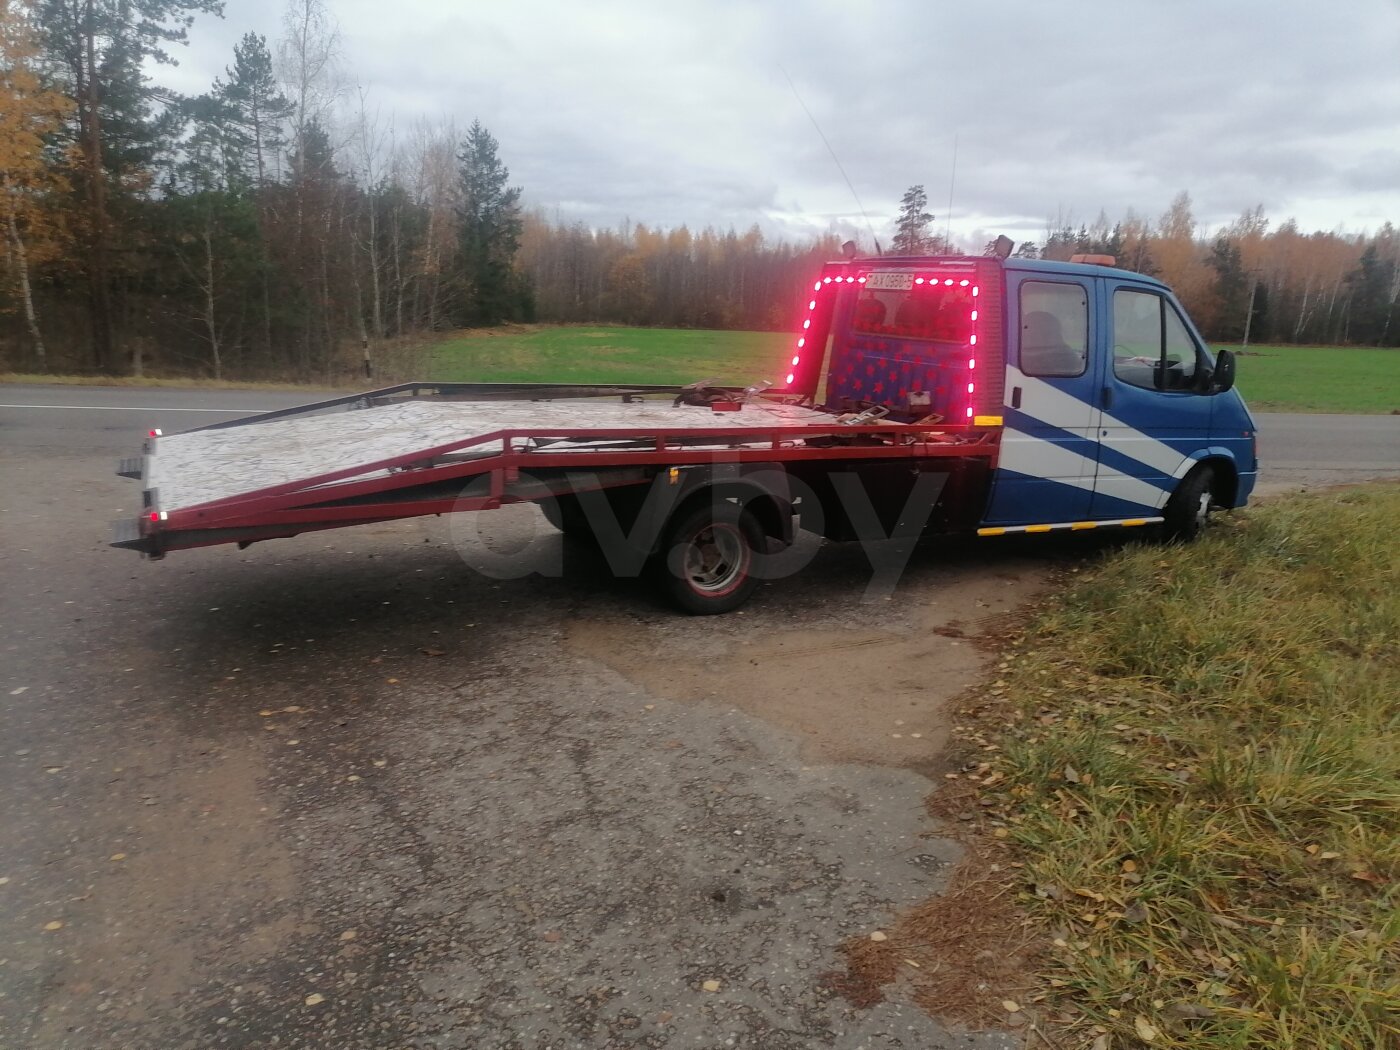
column 705, row 563
column 1187, row 512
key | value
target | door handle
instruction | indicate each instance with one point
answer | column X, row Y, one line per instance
column 1015, row 397
column 1107, row 396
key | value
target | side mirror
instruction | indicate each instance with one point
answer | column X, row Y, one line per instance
column 1224, row 371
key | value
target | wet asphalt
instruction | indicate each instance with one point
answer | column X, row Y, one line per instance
column 342, row 791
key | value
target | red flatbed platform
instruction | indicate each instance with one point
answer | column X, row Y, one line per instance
column 416, row 449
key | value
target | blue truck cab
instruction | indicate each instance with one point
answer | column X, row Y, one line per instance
column 1109, row 406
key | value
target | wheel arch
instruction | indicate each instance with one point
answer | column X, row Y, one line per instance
column 772, row 510
column 1225, row 474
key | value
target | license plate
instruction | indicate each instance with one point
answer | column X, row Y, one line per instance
column 890, row 281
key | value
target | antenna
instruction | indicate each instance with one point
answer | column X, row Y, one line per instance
column 835, row 159
column 952, row 179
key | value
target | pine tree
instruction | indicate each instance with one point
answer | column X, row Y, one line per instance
column 257, row 111
column 911, row 228
column 209, row 226
column 1232, row 287
column 100, row 49
column 1375, row 286
column 489, row 228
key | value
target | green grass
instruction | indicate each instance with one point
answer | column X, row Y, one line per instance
column 1320, row 378
column 1280, row 378
column 1198, row 758
column 583, row 354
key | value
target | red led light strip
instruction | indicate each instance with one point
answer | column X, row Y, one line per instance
column 807, row 320
column 948, row 282
column 971, row 346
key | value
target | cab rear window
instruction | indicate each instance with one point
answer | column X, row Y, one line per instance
column 1054, row 329
column 927, row 312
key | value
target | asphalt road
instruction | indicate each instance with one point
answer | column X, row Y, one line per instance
column 343, row 791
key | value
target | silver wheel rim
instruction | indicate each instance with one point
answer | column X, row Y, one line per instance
column 1203, row 510
column 714, row 558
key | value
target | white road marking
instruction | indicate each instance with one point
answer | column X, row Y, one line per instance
column 140, row 408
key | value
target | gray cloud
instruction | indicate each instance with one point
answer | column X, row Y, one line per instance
column 668, row 113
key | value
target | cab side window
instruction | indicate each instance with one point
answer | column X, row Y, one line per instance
column 1152, row 347
column 1054, row 329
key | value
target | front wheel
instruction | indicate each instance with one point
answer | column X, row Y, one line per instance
column 1188, row 510
column 705, row 564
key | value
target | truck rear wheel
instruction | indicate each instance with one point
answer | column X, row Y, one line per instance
column 1188, row 510
column 566, row 515
column 705, row 564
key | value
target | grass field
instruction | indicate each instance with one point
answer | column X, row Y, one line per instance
column 585, row 354
column 1271, row 378
column 1320, row 379
column 1205, row 800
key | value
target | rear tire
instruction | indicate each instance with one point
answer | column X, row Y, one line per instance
column 565, row 514
column 1187, row 512
column 705, row 563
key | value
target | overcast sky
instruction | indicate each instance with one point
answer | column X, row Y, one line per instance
column 673, row 112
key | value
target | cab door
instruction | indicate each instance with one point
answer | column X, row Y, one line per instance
column 1049, row 449
column 1155, row 414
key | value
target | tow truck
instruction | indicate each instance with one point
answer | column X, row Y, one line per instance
column 982, row 395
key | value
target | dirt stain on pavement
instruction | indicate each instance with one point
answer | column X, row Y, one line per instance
column 872, row 696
